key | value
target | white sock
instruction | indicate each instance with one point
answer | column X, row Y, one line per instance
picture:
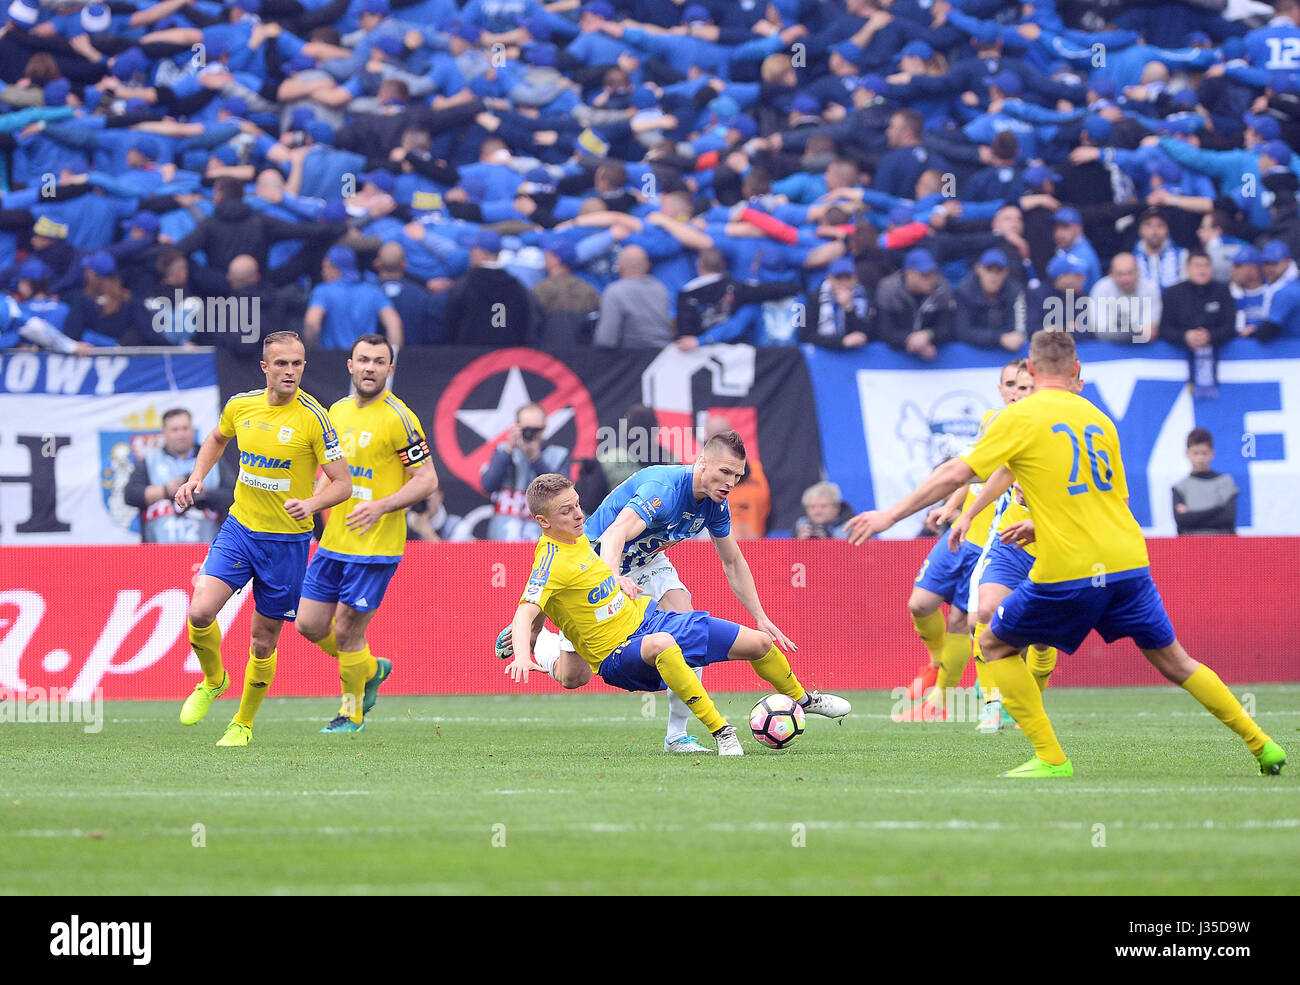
column 547, row 650
column 678, row 713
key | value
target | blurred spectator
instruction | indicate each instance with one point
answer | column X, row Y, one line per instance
column 634, row 310
column 636, row 444
column 824, row 513
column 1200, row 315
column 1158, row 258
column 1055, row 305
column 488, row 305
column 1248, row 291
column 104, row 312
column 569, row 305
column 843, row 310
column 160, row 472
column 1125, row 306
column 416, row 307
column 1281, row 292
column 915, row 306
column 430, row 520
column 750, row 502
column 1067, row 235
column 517, row 461
column 992, row 306
column 343, row 307
column 1205, row 502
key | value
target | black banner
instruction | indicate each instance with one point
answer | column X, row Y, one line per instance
column 466, row 398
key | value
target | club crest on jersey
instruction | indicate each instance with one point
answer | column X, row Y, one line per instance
column 285, row 435
column 363, row 439
column 696, row 524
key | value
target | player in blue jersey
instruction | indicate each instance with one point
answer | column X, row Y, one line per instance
column 633, row 527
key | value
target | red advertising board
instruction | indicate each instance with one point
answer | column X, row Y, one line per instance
column 114, row 616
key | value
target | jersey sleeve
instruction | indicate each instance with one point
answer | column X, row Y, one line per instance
column 1001, row 440
column 227, row 422
column 324, row 439
column 720, row 520
column 408, row 439
column 543, row 582
column 651, row 500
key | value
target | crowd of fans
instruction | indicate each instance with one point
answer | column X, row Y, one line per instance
column 641, row 172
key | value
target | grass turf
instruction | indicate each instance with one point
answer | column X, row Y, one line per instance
column 571, row 794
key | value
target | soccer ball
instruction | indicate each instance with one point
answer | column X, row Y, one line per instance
column 776, row 721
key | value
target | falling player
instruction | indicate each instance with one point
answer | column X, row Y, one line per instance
column 632, row 528
column 360, row 549
column 283, row 435
column 631, row 643
column 1092, row 569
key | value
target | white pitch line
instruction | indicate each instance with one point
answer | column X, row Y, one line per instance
column 189, row 793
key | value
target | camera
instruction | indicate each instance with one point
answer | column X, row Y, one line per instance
column 530, row 434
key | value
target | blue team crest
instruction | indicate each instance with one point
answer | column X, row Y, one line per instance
column 696, row 524
column 118, row 453
column 946, row 429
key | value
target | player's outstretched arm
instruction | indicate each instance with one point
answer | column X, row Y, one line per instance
column 938, row 484
column 628, row 525
column 335, row 491
column 741, row 580
column 998, row 483
column 214, row 445
column 526, row 616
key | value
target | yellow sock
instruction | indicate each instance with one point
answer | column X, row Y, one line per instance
column 989, row 689
column 931, row 629
column 774, row 668
column 257, row 681
column 207, row 647
column 1025, row 703
column 956, row 653
column 681, row 680
column 1041, row 661
column 329, row 644
column 355, row 668
column 1205, row 686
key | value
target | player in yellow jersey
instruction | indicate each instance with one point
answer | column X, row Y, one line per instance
column 945, row 576
column 362, row 544
column 1092, row 569
column 283, row 434
column 631, row 643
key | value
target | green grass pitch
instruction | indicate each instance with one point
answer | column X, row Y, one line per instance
column 570, row 793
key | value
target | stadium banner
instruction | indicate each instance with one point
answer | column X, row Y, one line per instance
column 887, row 419
column 70, row 428
column 466, row 398
column 113, row 617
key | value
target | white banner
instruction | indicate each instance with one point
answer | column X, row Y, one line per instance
column 71, row 431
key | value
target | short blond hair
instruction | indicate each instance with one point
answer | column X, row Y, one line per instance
column 545, row 488
column 1053, row 353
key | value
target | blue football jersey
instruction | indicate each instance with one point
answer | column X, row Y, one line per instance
column 1275, row 47
column 664, row 497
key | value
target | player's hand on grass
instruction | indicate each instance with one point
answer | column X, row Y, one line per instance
column 363, row 516
column 297, row 508
column 520, row 667
column 1019, row 534
column 866, row 525
column 630, row 588
column 184, row 497
column 782, row 641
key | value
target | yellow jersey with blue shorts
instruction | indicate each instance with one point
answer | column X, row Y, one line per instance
column 1092, row 567
column 381, row 441
column 280, row 448
column 577, row 591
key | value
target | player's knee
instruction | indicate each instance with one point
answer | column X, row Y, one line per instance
column 262, row 641
column 985, row 614
column 654, row 645
column 956, row 620
column 919, row 608
column 312, row 629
